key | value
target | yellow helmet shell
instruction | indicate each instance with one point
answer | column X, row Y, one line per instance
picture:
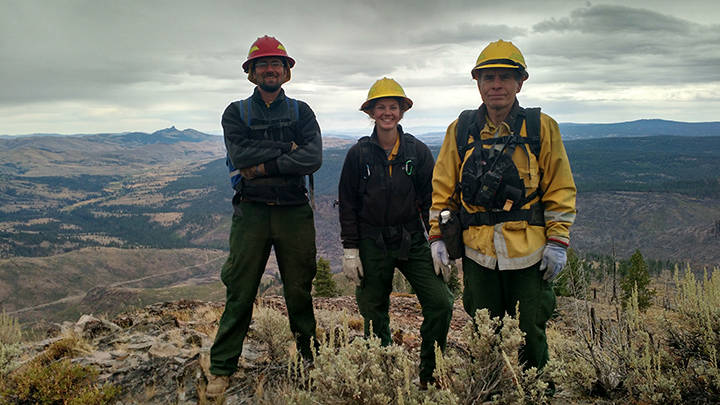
column 385, row 88
column 501, row 54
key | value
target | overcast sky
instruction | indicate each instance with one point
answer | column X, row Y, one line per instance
column 79, row 67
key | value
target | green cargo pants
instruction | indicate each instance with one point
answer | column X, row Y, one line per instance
column 436, row 300
column 499, row 291
column 256, row 228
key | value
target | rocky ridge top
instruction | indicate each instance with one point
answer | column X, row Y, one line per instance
column 160, row 354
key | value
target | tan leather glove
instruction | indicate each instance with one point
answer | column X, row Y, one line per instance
column 352, row 266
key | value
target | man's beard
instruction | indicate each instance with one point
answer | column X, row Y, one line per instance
column 269, row 88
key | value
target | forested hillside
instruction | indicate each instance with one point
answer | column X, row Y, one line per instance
column 186, row 203
column 658, row 195
column 672, row 164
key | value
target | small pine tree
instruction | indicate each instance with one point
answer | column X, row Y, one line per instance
column 454, row 284
column 324, row 284
column 637, row 276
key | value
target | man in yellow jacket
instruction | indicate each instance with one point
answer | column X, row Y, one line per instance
column 513, row 194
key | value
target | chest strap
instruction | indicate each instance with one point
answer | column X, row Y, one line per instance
column 535, row 216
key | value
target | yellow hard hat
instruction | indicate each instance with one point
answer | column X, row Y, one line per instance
column 501, row 54
column 385, row 88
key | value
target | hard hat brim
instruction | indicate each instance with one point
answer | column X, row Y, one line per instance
column 290, row 61
column 364, row 107
column 525, row 74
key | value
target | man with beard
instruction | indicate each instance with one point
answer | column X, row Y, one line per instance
column 275, row 142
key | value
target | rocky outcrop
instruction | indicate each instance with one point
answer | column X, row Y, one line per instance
column 160, row 354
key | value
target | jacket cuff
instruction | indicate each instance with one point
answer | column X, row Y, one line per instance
column 286, row 147
column 559, row 242
column 271, row 168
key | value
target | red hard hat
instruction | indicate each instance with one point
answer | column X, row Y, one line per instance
column 267, row 46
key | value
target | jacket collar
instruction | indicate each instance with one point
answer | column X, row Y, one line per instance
column 258, row 98
column 509, row 120
column 374, row 136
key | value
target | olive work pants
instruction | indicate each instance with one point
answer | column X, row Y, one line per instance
column 499, row 291
column 256, row 227
column 436, row 300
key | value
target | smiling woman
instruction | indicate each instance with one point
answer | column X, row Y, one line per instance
column 384, row 198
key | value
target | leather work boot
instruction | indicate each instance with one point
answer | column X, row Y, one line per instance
column 217, row 384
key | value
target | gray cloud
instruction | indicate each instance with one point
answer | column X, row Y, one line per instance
column 633, row 45
column 72, row 66
column 618, row 20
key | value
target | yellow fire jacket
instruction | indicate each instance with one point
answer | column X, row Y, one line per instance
column 516, row 244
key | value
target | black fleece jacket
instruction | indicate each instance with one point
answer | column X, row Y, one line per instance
column 399, row 202
column 272, row 147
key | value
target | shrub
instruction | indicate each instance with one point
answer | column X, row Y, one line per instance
column 611, row 357
column 362, row 371
column 488, row 368
column 51, row 378
column 8, row 355
column 10, row 332
column 271, row 328
column 627, row 358
column 694, row 336
column 57, row 383
column 10, row 336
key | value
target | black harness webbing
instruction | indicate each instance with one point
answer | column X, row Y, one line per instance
column 404, row 231
column 535, row 215
column 467, row 126
column 379, row 234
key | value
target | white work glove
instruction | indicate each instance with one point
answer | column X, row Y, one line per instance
column 441, row 259
column 352, row 266
column 553, row 260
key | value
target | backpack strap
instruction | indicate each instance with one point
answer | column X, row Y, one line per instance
column 467, row 125
column 245, row 110
column 366, row 160
column 292, row 104
column 532, row 125
column 410, row 153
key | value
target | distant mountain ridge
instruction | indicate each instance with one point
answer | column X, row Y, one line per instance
column 638, row 128
column 170, row 133
column 642, row 127
column 645, row 127
column 104, row 153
